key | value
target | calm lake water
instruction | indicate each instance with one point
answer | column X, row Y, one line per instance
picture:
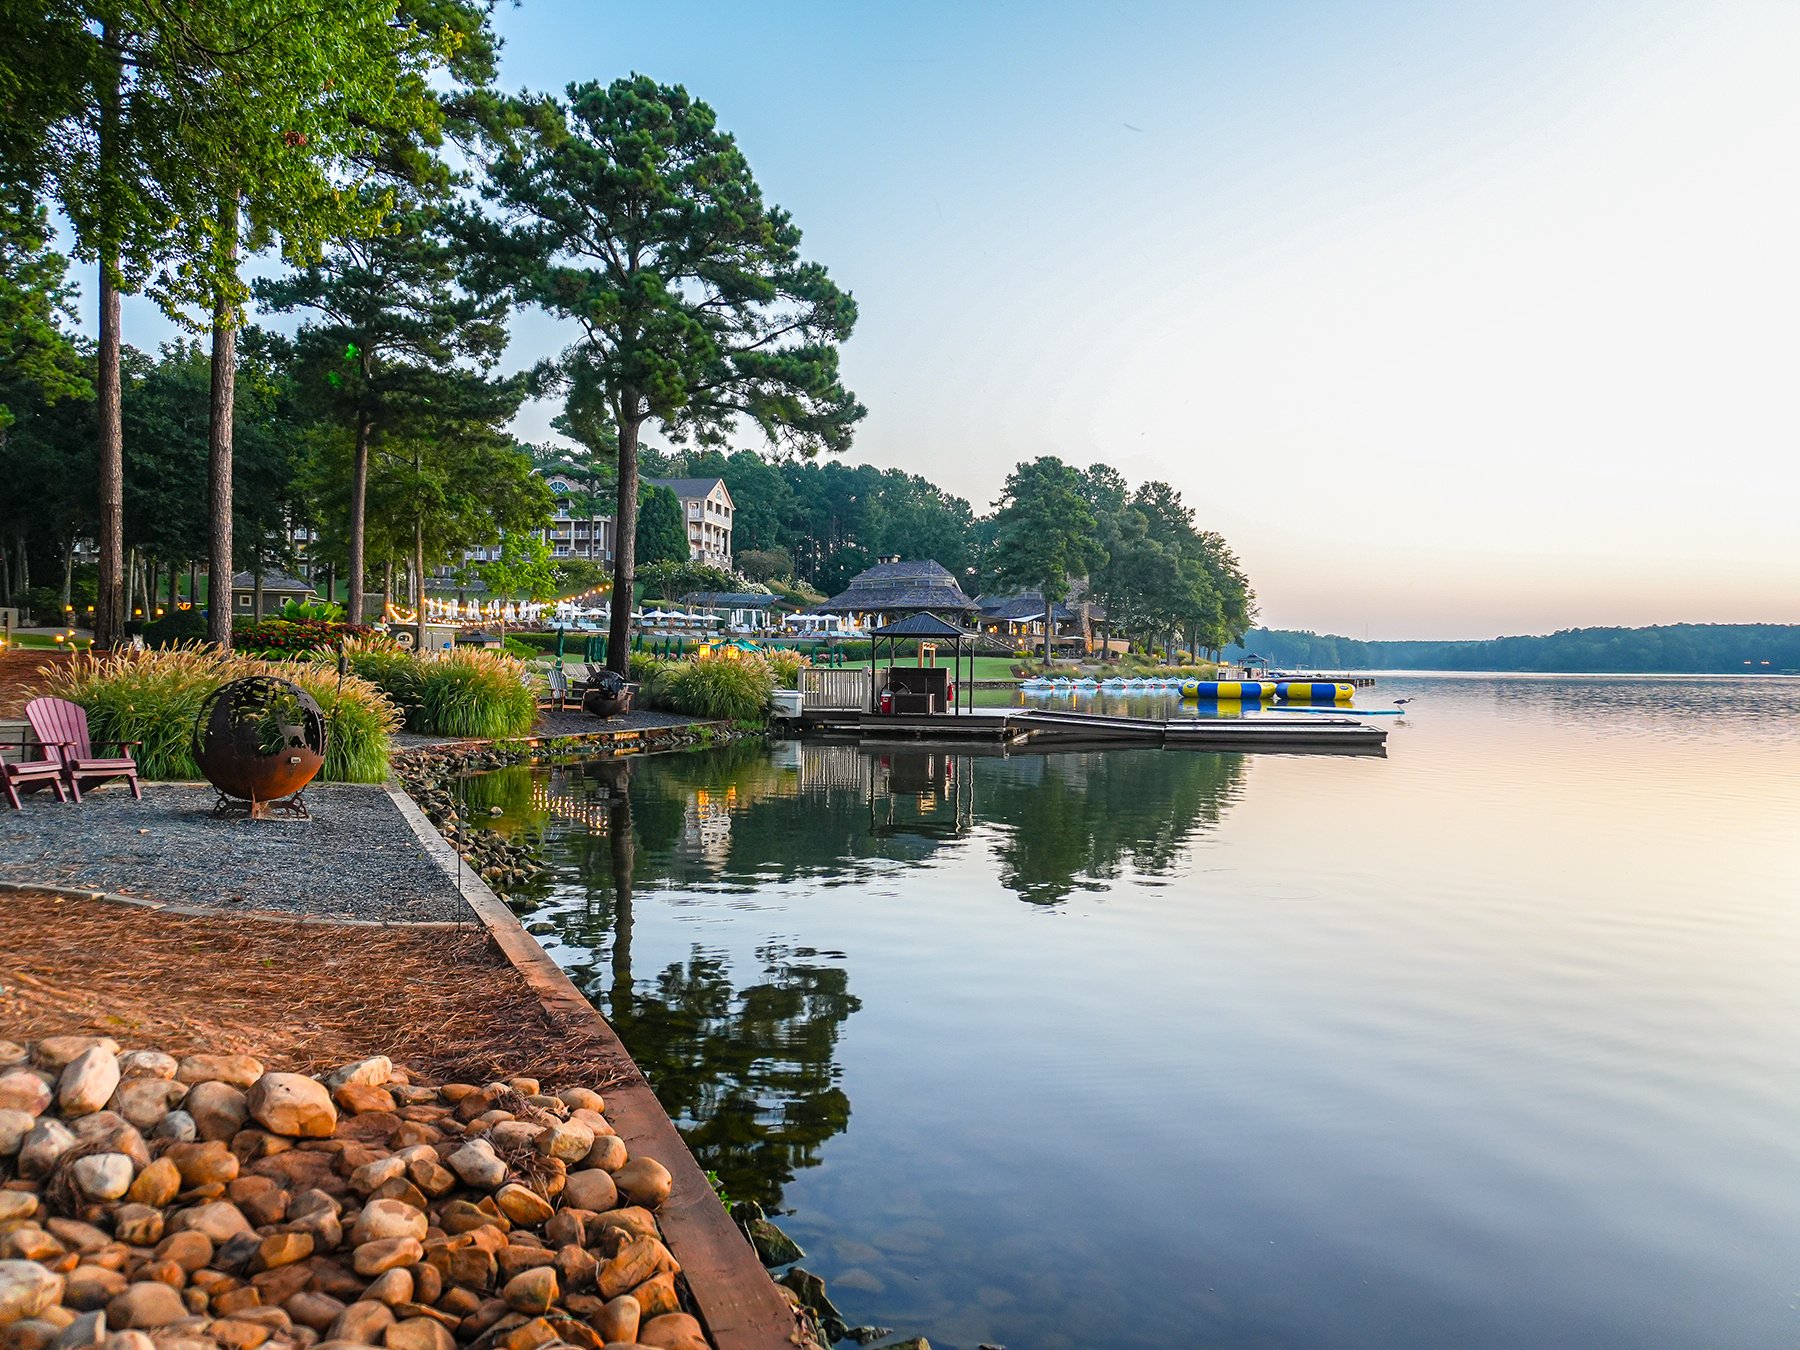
column 1492, row 1042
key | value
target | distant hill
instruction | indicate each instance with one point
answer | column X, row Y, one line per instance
column 1667, row 649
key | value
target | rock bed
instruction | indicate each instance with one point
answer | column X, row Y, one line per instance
column 155, row 1203
column 357, row 858
column 430, row 773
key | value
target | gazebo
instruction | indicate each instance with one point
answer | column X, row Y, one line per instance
column 920, row 688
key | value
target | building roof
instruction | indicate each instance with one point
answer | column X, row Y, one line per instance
column 730, row 599
column 919, row 625
column 272, row 581
column 896, row 587
column 689, row 487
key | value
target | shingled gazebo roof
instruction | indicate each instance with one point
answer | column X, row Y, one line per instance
column 898, row 588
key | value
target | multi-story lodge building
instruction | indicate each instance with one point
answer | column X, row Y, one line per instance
column 706, row 504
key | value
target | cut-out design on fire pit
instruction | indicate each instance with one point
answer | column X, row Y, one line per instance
column 259, row 741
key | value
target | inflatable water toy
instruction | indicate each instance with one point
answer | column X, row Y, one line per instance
column 1315, row 691
column 1252, row 691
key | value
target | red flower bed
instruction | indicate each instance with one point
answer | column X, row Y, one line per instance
column 293, row 637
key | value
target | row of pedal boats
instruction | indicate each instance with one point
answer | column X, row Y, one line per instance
column 1220, row 691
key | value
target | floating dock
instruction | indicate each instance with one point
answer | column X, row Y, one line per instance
column 1044, row 729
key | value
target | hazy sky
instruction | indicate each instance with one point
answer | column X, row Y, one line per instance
column 1455, row 319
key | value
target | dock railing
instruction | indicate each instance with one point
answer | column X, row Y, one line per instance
column 823, row 687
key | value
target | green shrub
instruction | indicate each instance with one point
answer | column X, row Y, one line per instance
column 472, row 692
column 176, row 627
column 717, row 688
column 325, row 611
column 155, row 697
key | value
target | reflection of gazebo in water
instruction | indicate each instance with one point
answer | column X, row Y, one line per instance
column 941, row 791
column 918, row 688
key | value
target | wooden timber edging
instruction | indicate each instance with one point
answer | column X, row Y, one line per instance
column 739, row 1304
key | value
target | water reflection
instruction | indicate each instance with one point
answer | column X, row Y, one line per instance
column 742, row 1048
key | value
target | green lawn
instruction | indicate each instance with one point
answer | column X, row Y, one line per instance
column 986, row 667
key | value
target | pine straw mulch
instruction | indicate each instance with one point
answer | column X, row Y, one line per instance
column 305, row 997
column 19, row 678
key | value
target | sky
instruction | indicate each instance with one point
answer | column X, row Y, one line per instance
column 1456, row 320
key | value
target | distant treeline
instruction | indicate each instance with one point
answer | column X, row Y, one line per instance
column 1677, row 649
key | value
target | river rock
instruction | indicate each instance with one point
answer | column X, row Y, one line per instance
column 569, row 1140
column 157, row 1184
column 619, row 1319
column 87, row 1082
column 672, row 1331
column 48, row 1140
column 56, row 1052
column 23, row 1090
column 177, row 1125
column 219, row 1109
column 522, row 1205
column 391, row 1287
column 608, row 1153
column 637, row 1260
column 644, row 1181
column 292, row 1104
column 147, row 1064
column 532, row 1292
column 204, row 1164
column 363, row 1323
column 591, row 1188
column 85, row 1331
column 138, row 1225
column 372, row 1258
column 376, row 1071
column 26, row 1289
column 381, row 1219
column 145, row 1101
column 149, row 1303
column 102, row 1176
column 773, row 1247
column 240, row 1071
column 14, row 1126
column 360, row 1099
column 92, row 1286
column 219, row 1220
column 15, row 1205
column 418, row 1333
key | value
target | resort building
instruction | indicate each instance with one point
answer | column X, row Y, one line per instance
column 706, row 503
column 578, row 528
column 277, row 589
column 891, row 590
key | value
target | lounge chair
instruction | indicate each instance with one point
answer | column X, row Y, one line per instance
column 62, row 727
column 29, row 774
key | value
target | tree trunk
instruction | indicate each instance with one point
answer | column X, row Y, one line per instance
column 618, row 642
column 218, row 439
column 6, row 589
column 1049, row 630
column 193, row 583
column 256, row 595
column 130, row 582
column 68, row 598
column 109, row 601
column 331, row 583
column 387, row 589
column 418, row 562
column 359, row 495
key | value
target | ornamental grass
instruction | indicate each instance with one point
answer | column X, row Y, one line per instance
column 730, row 690
column 153, row 698
column 476, row 693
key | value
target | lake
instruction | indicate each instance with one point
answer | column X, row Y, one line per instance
column 1490, row 1042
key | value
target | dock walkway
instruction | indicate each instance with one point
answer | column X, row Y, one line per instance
column 1043, row 729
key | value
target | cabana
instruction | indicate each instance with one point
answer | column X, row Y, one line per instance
column 918, row 688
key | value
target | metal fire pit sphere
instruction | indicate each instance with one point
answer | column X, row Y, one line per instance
column 259, row 741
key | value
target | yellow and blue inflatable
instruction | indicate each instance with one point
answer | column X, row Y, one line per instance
column 1228, row 691
column 1315, row 691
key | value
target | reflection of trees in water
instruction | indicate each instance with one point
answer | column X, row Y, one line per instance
column 750, row 1072
column 753, row 1068
column 1074, row 818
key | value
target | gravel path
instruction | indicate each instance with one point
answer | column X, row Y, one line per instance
column 357, row 858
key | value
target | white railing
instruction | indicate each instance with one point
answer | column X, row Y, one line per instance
column 824, row 687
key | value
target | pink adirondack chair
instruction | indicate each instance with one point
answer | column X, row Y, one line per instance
column 62, row 727
column 29, row 774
